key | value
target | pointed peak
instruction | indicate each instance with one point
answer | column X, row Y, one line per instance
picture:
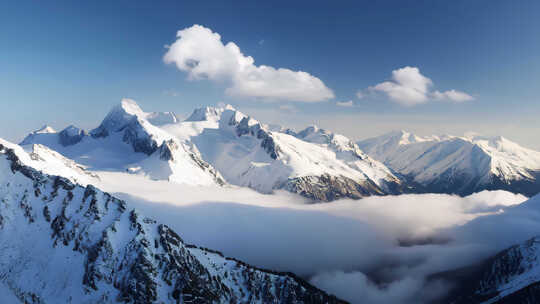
column 44, row 130
column 72, row 130
column 162, row 118
column 129, row 106
column 118, row 117
column 229, row 107
column 313, row 128
column 308, row 131
column 205, row 113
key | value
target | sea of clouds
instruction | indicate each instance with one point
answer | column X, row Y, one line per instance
column 374, row 250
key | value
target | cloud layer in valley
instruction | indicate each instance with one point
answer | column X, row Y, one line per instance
column 409, row 87
column 396, row 241
column 201, row 53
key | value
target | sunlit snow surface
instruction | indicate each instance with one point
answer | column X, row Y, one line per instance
column 473, row 156
column 263, row 161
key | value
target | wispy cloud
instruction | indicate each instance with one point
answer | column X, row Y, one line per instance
column 348, row 103
column 452, row 95
column 409, row 87
column 201, row 53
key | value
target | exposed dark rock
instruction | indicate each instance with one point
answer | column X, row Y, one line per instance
column 166, row 150
column 71, row 136
column 135, row 135
column 328, row 188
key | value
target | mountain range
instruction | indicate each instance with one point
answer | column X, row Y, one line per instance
column 223, row 146
column 457, row 164
column 82, row 245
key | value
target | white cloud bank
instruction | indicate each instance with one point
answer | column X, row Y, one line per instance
column 409, row 87
column 201, row 53
column 343, row 247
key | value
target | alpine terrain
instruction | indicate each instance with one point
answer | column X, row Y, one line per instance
column 220, row 145
column 458, row 165
column 62, row 241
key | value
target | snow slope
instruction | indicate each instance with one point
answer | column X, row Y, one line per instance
column 126, row 140
column 218, row 145
column 247, row 153
column 48, row 161
column 460, row 165
column 64, row 243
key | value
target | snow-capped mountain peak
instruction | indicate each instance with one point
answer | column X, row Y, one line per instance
column 126, row 139
column 249, row 153
column 228, row 146
column 119, row 116
column 205, row 113
column 458, row 164
column 44, row 130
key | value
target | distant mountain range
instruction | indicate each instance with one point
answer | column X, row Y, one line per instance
column 457, row 165
column 221, row 145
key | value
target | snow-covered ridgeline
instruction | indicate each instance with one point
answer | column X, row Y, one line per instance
column 128, row 140
column 455, row 164
column 222, row 145
column 62, row 242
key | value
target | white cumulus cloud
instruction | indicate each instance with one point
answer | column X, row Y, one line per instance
column 409, row 87
column 201, row 53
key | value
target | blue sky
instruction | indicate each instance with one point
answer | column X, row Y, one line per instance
column 64, row 62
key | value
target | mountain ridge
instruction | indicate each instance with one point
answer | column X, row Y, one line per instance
column 222, row 145
column 99, row 251
column 458, row 164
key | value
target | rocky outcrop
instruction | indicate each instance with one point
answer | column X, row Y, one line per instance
column 141, row 141
column 328, row 188
column 71, row 136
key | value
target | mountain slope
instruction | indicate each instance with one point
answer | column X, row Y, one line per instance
column 222, row 145
column 65, row 243
column 126, row 140
column 247, row 153
column 511, row 276
column 460, row 165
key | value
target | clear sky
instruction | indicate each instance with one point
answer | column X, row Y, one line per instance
column 424, row 66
